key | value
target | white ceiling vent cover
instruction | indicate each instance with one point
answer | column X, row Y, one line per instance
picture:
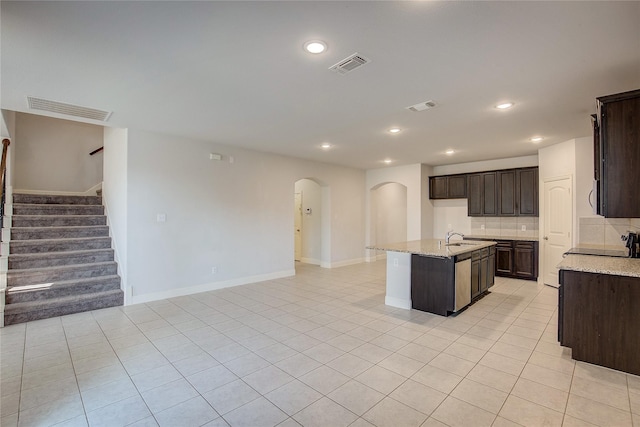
column 422, row 106
column 67, row 109
column 350, row 63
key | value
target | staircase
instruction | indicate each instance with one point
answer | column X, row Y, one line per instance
column 60, row 258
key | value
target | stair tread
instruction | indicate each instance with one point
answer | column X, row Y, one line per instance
column 38, row 304
column 60, row 267
column 65, row 240
column 62, row 283
column 57, row 215
column 60, row 253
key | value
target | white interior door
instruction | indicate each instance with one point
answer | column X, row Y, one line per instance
column 297, row 226
column 558, row 223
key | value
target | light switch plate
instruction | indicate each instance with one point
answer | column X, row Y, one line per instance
column 161, row 217
column 524, row 228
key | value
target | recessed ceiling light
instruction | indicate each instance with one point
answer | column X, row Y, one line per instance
column 505, row 105
column 449, row 152
column 315, row 46
column 395, row 130
column 387, row 161
column 325, row 146
column 536, row 139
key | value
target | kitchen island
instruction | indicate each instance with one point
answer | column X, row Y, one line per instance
column 430, row 275
column 598, row 315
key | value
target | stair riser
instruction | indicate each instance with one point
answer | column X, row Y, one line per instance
column 47, row 276
column 11, row 318
column 32, row 247
column 58, row 221
column 63, row 233
column 63, row 291
column 56, row 200
column 53, row 260
column 58, row 210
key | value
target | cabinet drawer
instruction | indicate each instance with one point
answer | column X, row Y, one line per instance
column 484, row 252
column 476, row 255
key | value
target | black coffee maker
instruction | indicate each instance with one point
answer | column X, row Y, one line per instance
column 633, row 244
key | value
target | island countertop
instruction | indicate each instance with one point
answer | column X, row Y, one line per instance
column 434, row 247
column 615, row 266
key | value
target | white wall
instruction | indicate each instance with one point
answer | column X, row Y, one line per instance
column 52, row 155
column 114, row 196
column 389, row 202
column 311, row 222
column 236, row 216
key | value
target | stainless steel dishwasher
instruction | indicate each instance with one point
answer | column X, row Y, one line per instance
column 463, row 281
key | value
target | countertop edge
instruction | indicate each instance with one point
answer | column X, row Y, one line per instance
column 614, row 266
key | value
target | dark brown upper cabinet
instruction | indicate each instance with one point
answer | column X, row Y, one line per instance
column 482, row 197
column 617, row 141
column 448, row 187
column 518, row 192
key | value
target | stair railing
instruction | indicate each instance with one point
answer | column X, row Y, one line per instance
column 3, row 172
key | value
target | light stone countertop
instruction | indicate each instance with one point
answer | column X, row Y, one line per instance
column 434, row 247
column 614, row 266
column 526, row 239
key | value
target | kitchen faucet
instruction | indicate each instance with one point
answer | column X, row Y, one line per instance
column 449, row 234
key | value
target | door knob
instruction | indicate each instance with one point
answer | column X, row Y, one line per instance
column 545, row 238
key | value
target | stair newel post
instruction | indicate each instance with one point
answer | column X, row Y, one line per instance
column 3, row 273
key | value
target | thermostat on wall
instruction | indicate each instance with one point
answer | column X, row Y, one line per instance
column 214, row 156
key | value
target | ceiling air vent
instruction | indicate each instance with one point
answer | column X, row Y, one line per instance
column 422, row 106
column 67, row 109
column 349, row 64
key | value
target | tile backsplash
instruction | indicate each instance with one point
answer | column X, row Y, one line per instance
column 605, row 231
column 504, row 226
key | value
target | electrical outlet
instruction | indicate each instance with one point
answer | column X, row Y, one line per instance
column 524, row 228
column 161, row 217
column 214, row 270
column 395, row 262
column 481, row 226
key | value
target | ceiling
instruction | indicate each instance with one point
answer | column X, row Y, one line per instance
column 235, row 72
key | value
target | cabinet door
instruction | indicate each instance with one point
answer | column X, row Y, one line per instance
column 474, row 194
column 489, row 192
column 457, row 187
column 484, row 274
column 504, row 258
column 527, row 192
column 491, row 270
column 620, row 145
column 438, row 187
column 475, row 278
column 597, row 165
column 506, row 193
column 524, row 256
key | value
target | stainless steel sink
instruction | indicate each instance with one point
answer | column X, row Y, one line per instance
column 461, row 244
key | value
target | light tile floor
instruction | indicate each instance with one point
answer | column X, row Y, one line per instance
column 317, row 349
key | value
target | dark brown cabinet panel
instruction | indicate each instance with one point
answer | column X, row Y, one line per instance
column 507, row 193
column 504, row 257
column 448, row 187
column 598, row 319
column 475, row 278
column 432, row 284
column 490, row 193
column 474, row 195
column 619, row 147
column 525, row 260
column 527, row 192
column 482, row 271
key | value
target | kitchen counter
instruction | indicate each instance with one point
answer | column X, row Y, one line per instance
column 491, row 237
column 614, row 266
column 434, row 247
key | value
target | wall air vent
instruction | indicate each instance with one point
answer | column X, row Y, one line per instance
column 349, row 64
column 421, row 106
column 67, row 109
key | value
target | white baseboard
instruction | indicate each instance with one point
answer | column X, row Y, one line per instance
column 342, row 263
column 311, row 261
column 398, row 302
column 189, row 290
column 90, row 192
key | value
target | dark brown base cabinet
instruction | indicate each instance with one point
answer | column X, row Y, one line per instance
column 433, row 280
column 517, row 259
column 599, row 319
